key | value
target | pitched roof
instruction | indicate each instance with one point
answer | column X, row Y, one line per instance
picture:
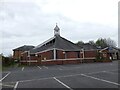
column 87, row 46
column 111, row 49
column 57, row 42
column 24, row 48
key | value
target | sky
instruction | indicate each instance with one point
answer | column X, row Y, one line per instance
column 31, row 22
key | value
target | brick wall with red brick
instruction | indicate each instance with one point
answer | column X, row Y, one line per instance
column 17, row 54
column 90, row 54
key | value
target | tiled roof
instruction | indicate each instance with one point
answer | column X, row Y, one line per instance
column 87, row 46
column 24, row 48
column 57, row 42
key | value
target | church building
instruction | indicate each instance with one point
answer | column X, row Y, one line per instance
column 57, row 50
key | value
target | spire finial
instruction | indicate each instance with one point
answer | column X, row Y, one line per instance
column 56, row 30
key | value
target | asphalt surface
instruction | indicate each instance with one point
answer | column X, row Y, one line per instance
column 70, row 77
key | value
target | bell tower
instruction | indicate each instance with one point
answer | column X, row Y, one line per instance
column 56, row 30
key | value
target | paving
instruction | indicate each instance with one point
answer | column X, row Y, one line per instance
column 69, row 77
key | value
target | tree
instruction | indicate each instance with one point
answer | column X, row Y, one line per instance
column 101, row 42
column 80, row 43
column 7, row 60
column 111, row 42
column 91, row 42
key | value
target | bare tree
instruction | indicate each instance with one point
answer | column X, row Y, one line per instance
column 91, row 42
column 111, row 42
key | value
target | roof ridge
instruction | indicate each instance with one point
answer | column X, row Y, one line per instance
column 40, row 45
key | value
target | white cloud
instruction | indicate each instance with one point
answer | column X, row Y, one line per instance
column 95, row 11
column 32, row 21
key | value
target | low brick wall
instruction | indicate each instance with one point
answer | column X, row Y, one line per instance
column 60, row 62
column 71, row 61
column 88, row 60
column 23, row 63
column 54, row 62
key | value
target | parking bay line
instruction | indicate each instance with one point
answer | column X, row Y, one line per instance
column 60, row 69
column 22, row 68
column 6, row 85
column 62, row 83
column 71, row 75
column 16, row 85
column 39, row 67
column 100, row 79
column 45, row 67
column 4, row 77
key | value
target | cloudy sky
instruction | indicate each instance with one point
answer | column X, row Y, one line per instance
column 30, row 22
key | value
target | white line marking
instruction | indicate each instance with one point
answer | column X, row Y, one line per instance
column 16, row 85
column 35, row 79
column 6, row 85
column 60, row 69
column 5, row 76
column 45, row 67
column 100, row 79
column 56, row 76
column 95, row 72
column 62, row 83
column 71, row 75
column 39, row 67
column 110, row 72
column 22, row 68
column 61, row 66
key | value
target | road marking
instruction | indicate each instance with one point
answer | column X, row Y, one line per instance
column 60, row 69
column 61, row 66
column 34, row 79
column 110, row 72
column 39, row 67
column 62, row 83
column 45, row 67
column 4, row 77
column 16, row 85
column 6, row 85
column 22, row 68
column 95, row 72
column 101, row 79
column 71, row 75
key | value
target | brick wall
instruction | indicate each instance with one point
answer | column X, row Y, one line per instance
column 24, row 56
column 45, row 55
column 60, row 55
column 88, row 54
column 72, row 54
column 60, row 62
column 17, row 54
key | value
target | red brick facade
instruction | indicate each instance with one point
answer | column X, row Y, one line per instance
column 90, row 54
column 62, row 57
column 17, row 54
